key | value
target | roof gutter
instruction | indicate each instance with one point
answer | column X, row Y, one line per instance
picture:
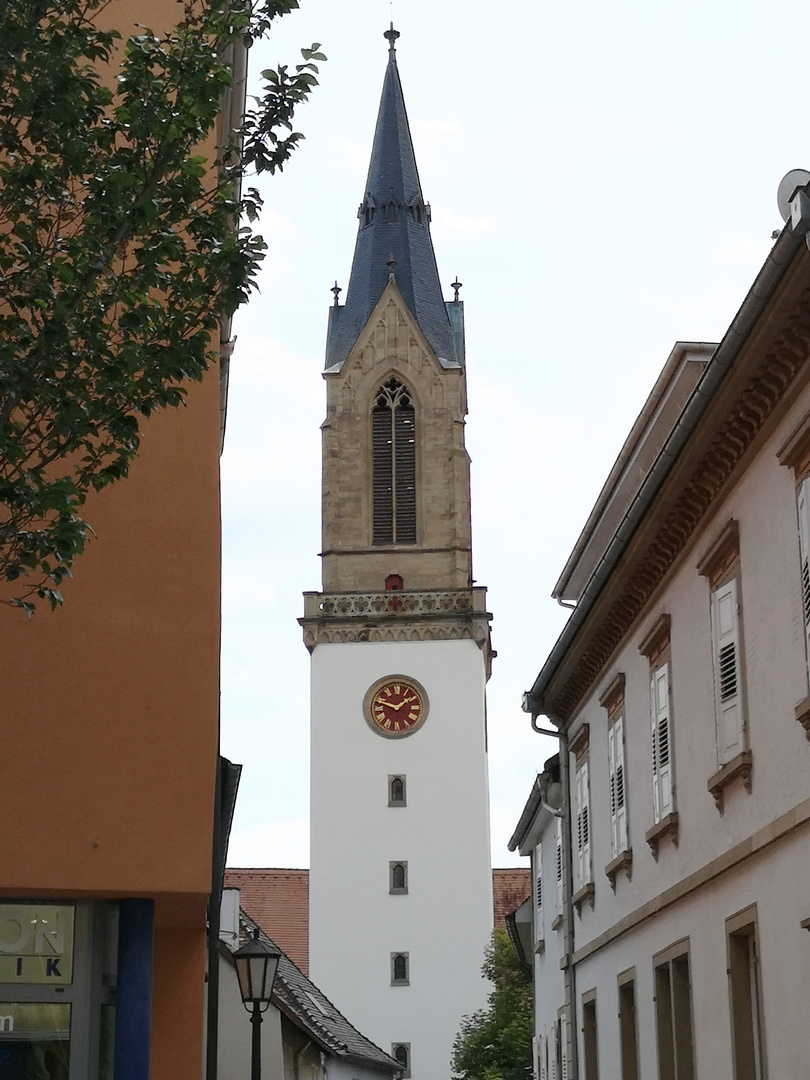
column 776, row 265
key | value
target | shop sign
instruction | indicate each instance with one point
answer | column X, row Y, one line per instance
column 36, row 944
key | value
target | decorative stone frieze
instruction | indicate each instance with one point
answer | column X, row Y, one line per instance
column 397, row 615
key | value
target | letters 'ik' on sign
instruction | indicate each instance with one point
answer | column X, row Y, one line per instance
column 36, row 943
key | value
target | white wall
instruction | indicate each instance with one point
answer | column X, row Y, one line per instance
column 236, row 1032
column 445, row 920
column 777, row 877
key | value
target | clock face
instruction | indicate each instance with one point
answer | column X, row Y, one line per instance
column 395, row 706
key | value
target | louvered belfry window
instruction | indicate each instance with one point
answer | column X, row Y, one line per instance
column 394, row 465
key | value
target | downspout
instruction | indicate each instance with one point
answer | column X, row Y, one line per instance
column 214, row 915
column 569, row 971
column 570, row 975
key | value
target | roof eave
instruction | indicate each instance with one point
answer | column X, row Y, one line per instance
column 770, row 276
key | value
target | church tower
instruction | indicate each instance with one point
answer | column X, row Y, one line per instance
column 400, row 880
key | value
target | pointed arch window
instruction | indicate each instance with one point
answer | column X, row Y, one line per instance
column 394, row 465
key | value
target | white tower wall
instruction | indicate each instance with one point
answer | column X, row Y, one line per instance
column 444, row 921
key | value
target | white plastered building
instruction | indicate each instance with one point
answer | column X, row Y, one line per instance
column 679, row 689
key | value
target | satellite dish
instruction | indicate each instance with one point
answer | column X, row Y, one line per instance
column 796, row 178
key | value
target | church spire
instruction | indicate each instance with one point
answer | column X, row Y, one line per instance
column 394, row 228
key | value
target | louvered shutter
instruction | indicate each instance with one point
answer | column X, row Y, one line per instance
column 583, row 839
column 538, row 894
column 563, row 1047
column 727, row 671
column 661, row 748
column 382, row 475
column 405, row 474
column 558, row 829
column 542, row 1056
column 553, row 1049
column 804, row 549
column 618, row 809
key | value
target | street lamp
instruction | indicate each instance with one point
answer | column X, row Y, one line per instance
column 256, row 966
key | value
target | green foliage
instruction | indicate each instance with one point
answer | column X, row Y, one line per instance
column 496, row 1043
column 120, row 248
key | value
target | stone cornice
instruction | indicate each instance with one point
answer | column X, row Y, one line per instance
column 398, row 615
column 744, row 404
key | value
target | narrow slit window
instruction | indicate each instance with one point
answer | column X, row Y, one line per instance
column 399, row 969
column 397, row 791
column 393, row 437
column 398, row 877
column 401, row 1052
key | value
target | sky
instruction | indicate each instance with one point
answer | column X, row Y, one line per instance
column 602, row 179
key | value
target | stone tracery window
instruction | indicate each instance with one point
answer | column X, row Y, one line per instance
column 394, row 465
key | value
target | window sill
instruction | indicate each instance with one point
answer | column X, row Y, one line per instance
column 624, row 862
column 667, row 828
column 739, row 768
column 583, row 894
column 540, row 946
column 803, row 715
column 558, row 922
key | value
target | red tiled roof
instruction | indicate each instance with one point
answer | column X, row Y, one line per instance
column 278, row 900
column 510, row 887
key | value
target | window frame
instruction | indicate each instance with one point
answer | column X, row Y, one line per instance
column 674, row 1013
column 746, row 1013
column 590, row 1039
column 393, row 866
column 394, row 517
column 402, row 778
column 407, row 978
column 628, row 1025
column 656, row 646
column 406, row 1065
column 613, row 701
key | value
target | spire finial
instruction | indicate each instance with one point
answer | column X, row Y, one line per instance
column 392, row 36
column 392, row 265
column 336, row 291
column 456, row 285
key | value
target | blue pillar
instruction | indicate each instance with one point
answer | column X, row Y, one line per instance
column 133, row 1012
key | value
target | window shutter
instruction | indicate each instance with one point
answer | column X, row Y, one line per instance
column 542, row 1056
column 804, row 549
column 577, row 840
column 558, row 827
column 553, row 1053
column 727, row 671
column 539, row 934
column 618, row 809
column 661, row 743
column 586, row 824
column 583, row 839
column 564, row 1047
column 382, row 475
column 405, row 474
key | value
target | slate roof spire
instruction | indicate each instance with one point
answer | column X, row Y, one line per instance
column 394, row 227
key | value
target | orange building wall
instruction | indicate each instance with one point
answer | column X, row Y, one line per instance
column 109, row 706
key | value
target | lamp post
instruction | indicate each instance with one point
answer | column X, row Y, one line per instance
column 256, row 966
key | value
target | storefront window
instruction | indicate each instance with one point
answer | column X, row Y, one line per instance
column 34, row 1041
